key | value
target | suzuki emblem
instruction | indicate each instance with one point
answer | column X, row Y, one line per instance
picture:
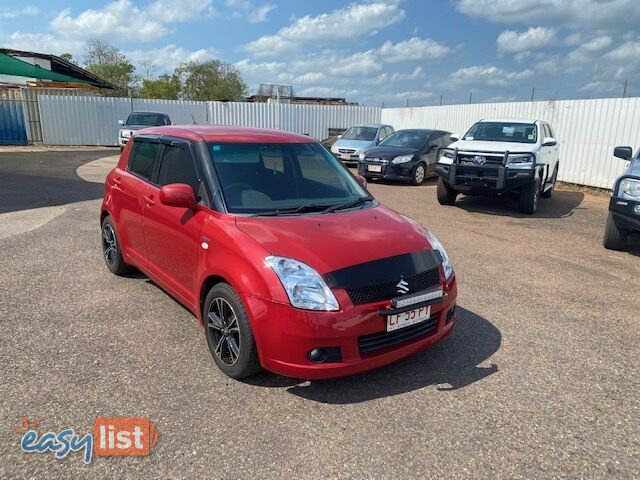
column 479, row 160
column 403, row 286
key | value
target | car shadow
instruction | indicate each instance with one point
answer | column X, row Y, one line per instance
column 561, row 205
column 452, row 364
column 44, row 178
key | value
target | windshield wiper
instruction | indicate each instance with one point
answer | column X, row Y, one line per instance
column 291, row 211
column 350, row 204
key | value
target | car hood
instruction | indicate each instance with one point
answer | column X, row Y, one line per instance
column 389, row 153
column 498, row 147
column 329, row 242
column 137, row 127
column 355, row 144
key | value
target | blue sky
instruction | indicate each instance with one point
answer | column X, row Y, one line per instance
column 372, row 52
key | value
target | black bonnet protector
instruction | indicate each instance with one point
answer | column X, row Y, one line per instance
column 384, row 270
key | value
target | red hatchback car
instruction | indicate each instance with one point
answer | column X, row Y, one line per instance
column 280, row 252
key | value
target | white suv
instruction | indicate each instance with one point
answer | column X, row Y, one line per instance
column 500, row 157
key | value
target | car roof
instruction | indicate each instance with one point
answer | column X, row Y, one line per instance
column 424, row 130
column 373, row 125
column 145, row 111
column 509, row 120
column 230, row 134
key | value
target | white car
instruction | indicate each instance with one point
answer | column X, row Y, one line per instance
column 500, row 157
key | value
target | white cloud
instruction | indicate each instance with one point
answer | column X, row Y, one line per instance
column 350, row 22
column 627, row 52
column 170, row 56
column 248, row 10
column 123, row 20
column 7, row 13
column 511, row 41
column 416, row 74
column 589, row 51
column 33, row 41
column 487, row 75
column 412, row 50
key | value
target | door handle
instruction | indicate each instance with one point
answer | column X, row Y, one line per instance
column 117, row 182
column 149, row 200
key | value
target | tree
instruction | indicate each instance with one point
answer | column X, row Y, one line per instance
column 109, row 63
column 211, row 80
column 67, row 56
column 165, row 86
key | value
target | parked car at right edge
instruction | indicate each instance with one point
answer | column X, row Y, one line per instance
column 500, row 157
column 624, row 206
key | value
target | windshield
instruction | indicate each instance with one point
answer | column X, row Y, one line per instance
column 360, row 133
column 266, row 177
column 151, row 119
column 503, row 132
column 406, row 138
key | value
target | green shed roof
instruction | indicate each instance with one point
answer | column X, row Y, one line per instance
column 18, row 68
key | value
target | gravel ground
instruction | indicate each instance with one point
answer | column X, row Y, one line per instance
column 540, row 378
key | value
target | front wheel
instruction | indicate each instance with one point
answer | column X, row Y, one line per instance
column 419, row 172
column 229, row 333
column 614, row 239
column 529, row 194
column 446, row 195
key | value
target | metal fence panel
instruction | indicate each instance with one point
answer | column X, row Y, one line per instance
column 313, row 120
column 587, row 130
column 12, row 127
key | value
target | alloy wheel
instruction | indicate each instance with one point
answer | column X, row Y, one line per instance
column 419, row 174
column 222, row 323
column 109, row 245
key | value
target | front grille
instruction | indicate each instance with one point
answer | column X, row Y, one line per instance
column 378, row 341
column 466, row 158
column 386, row 291
column 376, row 160
column 346, row 150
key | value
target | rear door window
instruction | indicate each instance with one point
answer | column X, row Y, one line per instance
column 177, row 166
column 142, row 159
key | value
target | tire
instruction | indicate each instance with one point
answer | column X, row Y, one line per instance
column 549, row 192
column 529, row 195
column 229, row 334
column 111, row 251
column 614, row 239
column 121, row 149
column 446, row 195
column 419, row 174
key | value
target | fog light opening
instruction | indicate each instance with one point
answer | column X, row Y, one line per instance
column 318, row 355
column 636, row 209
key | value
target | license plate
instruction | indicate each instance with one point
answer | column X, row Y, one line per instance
column 406, row 319
column 374, row 168
column 345, row 156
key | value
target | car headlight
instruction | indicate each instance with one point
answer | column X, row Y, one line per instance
column 334, row 148
column 361, row 154
column 402, row 159
column 520, row 160
column 125, row 133
column 304, row 286
column 446, row 156
column 446, row 263
column 629, row 188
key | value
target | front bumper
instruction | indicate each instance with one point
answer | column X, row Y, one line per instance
column 354, row 158
column 122, row 141
column 388, row 171
column 285, row 335
column 624, row 215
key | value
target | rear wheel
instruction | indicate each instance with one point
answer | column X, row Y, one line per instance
column 229, row 333
column 529, row 194
column 419, row 172
column 614, row 239
column 111, row 248
column 446, row 195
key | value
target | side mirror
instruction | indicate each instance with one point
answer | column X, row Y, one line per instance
column 455, row 137
column 433, row 147
column 339, row 136
column 624, row 153
column 549, row 142
column 178, row 195
column 377, row 141
column 121, row 122
column 362, row 180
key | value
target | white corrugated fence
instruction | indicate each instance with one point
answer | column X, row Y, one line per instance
column 587, row 130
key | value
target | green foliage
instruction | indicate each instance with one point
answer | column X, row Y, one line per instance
column 165, row 86
column 120, row 74
column 67, row 56
column 211, row 80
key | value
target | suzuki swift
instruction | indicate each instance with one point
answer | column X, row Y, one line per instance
column 280, row 252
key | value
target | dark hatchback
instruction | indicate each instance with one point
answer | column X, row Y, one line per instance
column 407, row 155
